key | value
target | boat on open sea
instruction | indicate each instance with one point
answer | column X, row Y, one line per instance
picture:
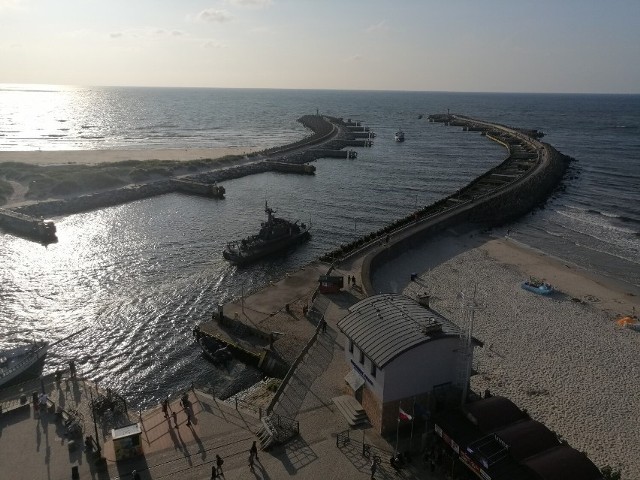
column 20, row 362
column 275, row 235
column 399, row 136
column 537, row 286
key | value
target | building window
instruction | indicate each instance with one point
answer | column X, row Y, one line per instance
column 361, row 357
column 373, row 369
column 350, row 346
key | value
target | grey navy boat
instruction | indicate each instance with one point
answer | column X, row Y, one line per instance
column 275, row 235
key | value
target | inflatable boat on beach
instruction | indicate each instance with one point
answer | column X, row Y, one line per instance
column 537, row 286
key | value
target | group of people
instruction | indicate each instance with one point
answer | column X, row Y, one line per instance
column 185, row 403
column 216, row 468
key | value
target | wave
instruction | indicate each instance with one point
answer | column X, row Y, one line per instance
column 622, row 218
column 580, row 243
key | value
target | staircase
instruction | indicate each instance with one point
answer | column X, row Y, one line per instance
column 266, row 435
column 351, row 410
column 277, row 429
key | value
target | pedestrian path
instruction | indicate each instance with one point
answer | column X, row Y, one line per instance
column 310, row 370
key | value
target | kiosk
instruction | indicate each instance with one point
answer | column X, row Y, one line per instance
column 127, row 442
column 330, row 284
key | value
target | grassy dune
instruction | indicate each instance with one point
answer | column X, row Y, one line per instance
column 59, row 181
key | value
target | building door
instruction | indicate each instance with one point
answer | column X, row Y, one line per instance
column 358, row 394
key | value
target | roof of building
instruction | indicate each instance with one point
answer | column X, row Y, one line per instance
column 491, row 413
column 385, row 326
column 527, row 438
column 514, row 447
column 562, row 463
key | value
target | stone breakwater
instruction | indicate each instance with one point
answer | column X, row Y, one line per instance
column 329, row 134
column 524, row 180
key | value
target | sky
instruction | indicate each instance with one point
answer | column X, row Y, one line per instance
column 562, row 46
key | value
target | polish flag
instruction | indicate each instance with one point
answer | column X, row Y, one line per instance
column 402, row 415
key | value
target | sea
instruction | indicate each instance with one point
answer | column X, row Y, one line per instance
column 138, row 277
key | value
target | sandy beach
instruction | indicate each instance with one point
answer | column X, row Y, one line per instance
column 93, row 157
column 563, row 358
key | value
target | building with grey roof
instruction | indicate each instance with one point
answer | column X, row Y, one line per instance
column 398, row 350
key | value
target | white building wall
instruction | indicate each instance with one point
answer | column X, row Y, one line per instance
column 419, row 369
column 412, row 373
column 376, row 384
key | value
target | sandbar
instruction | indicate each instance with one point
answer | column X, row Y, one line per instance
column 94, row 157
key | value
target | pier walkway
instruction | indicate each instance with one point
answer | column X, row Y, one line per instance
column 35, row 443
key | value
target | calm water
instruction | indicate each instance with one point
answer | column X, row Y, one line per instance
column 141, row 275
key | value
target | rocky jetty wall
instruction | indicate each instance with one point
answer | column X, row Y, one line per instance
column 97, row 200
column 198, row 188
column 27, row 226
column 287, row 159
column 524, row 180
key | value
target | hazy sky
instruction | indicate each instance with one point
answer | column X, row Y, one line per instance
column 451, row 45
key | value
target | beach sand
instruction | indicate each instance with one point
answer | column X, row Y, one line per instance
column 561, row 357
column 92, row 157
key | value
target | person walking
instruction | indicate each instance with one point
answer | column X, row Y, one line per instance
column 374, row 467
column 175, row 418
column 165, row 407
column 188, row 419
column 219, row 462
column 254, row 450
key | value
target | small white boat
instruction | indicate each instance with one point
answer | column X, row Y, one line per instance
column 537, row 286
column 399, row 136
column 18, row 361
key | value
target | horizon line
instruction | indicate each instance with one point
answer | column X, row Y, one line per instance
column 372, row 90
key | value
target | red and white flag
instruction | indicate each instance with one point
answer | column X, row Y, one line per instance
column 404, row 416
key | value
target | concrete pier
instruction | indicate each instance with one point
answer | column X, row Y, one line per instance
column 522, row 181
column 285, row 167
column 289, row 158
column 326, row 153
column 27, row 226
column 198, row 188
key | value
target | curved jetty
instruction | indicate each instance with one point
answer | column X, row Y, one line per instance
column 330, row 135
column 531, row 171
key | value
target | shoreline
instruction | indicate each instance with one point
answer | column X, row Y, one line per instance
column 561, row 357
column 565, row 268
column 95, row 157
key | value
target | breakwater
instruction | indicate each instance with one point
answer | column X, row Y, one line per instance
column 27, row 226
column 329, row 136
column 524, row 180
